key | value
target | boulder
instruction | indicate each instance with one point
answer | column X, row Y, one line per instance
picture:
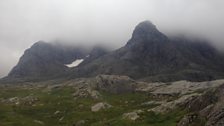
column 132, row 115
column 100, row 106
column 80, row 123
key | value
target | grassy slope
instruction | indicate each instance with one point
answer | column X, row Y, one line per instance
column 75, row 110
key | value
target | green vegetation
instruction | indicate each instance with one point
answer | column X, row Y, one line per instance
column 58, row 107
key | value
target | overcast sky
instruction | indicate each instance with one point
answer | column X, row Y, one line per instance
column 23, row 22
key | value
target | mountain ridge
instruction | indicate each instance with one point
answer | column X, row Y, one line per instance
column 159, row 56
column 149, row 55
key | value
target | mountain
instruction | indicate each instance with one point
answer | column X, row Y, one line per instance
column 149, row 55
column 47, row 60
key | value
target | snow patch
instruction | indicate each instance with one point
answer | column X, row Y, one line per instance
column 75, row 63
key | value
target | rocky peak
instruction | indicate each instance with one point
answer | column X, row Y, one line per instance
column 145, row 26
column 39, row 44
column 146, row 32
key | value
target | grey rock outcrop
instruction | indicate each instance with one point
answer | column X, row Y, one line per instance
column 115, row 84
column 172, row 105
column 91, row 87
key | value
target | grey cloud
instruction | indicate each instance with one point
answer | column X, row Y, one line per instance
column 23, row 22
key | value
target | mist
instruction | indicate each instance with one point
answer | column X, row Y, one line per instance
column 110, row 22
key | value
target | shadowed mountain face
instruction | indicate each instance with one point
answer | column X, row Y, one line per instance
column 152, row 56
column 44, row 60
column 148, row 55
